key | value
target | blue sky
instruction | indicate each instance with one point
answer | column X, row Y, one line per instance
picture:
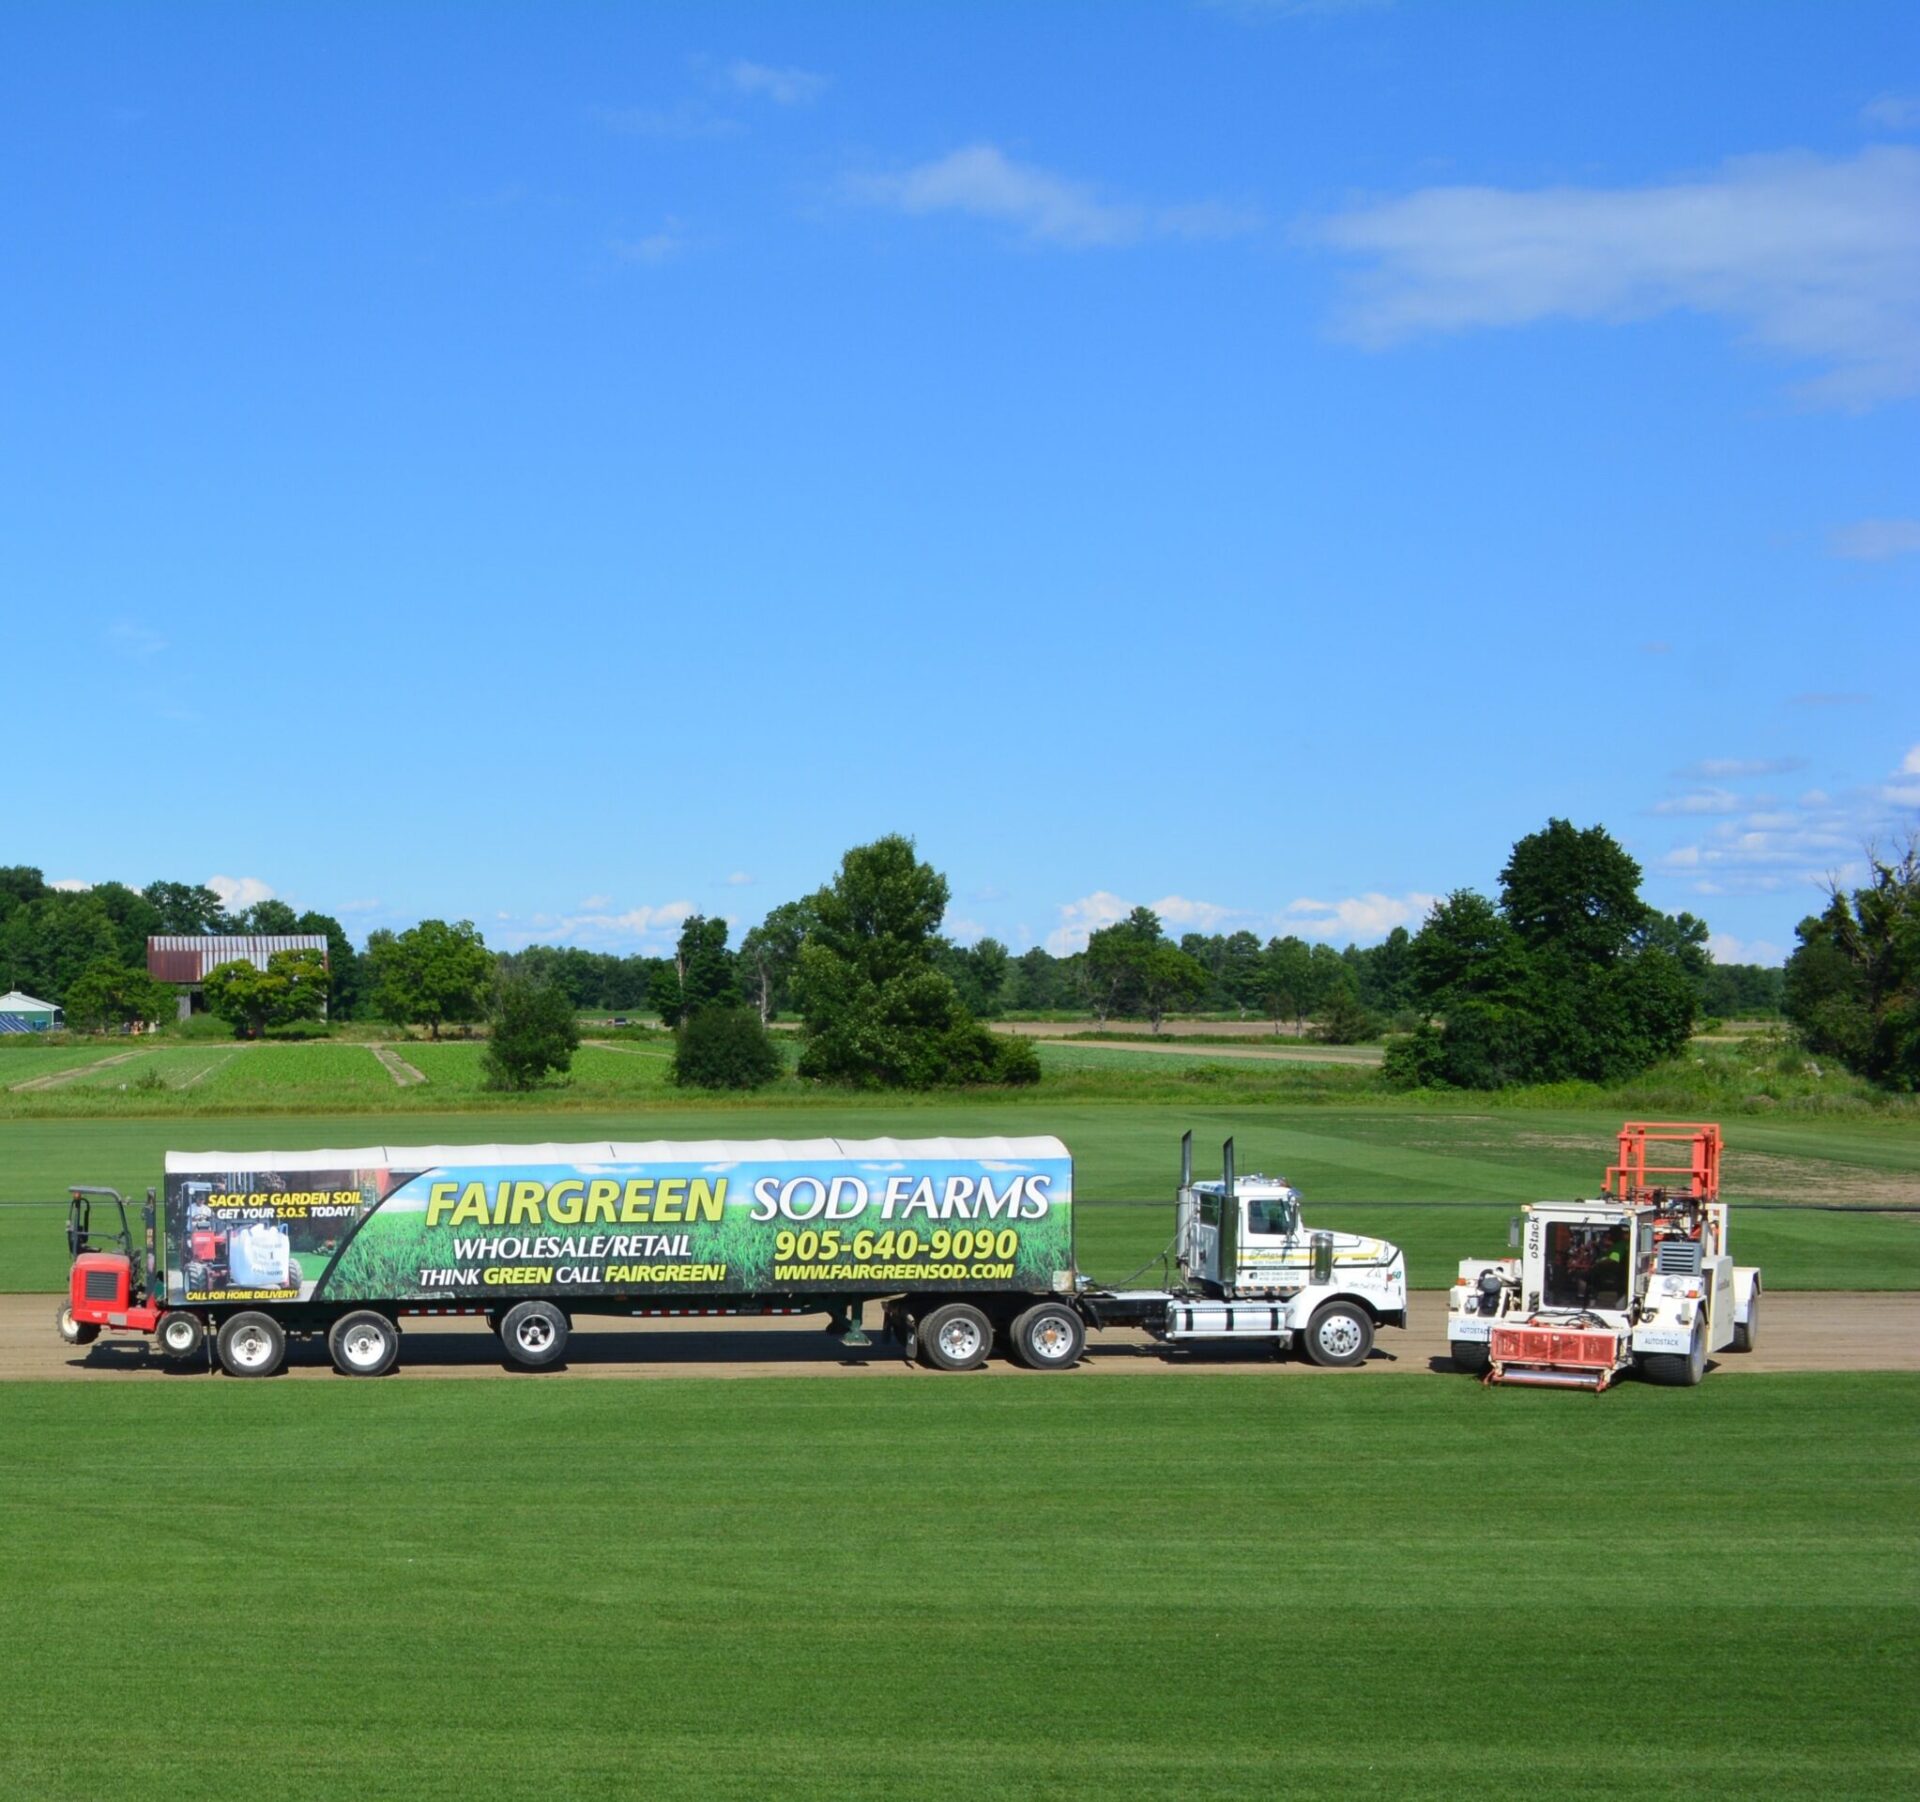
column 566, row 466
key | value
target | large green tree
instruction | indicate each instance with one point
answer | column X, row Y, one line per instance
column 185, row 907
column 768, row 955
column 532, row 1033
column 876, row 1010
column 431, row 975
column 1571, row 977
column 47, row 944
column 109, row 994
column 1853, row 984
column 291, row 988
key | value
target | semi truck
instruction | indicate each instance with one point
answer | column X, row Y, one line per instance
column 967, row 1245
column 1638, row 1280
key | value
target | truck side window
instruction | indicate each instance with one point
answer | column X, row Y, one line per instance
column 1266, row 1216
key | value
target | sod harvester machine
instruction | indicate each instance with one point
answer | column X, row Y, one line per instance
column 1640, row 1279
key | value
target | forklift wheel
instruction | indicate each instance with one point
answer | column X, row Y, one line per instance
column 181, row 1337
column 75, row 1332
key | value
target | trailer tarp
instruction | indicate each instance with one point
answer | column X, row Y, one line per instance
column 494, row 1224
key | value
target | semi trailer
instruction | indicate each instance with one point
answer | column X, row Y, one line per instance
column 967, row 1245
column 1639, row 1280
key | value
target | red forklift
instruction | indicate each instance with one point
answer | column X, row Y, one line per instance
column 112, row 1287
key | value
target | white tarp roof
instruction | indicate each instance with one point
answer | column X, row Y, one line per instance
column 14, row 1002
column 649, row 1151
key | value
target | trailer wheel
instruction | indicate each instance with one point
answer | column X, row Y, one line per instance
column 1048, row 1336
column 1340, row 1335
column 363, row 1344
column 181, row 1337
column 251, row 1345
column 956, row 1337
column 534, row 1334
column 74, row 1332
column 1678, row 1370
column 1745, row 1331
column 1476, row 1360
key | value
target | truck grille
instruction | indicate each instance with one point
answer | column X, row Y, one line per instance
column 1679, row 1257
column 102, row 1285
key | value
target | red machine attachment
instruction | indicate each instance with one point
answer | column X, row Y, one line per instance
column 1553, row 1357
column 1636, row 1175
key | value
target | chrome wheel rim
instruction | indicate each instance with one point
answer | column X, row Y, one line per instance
column 179, row 1336
column 364, row 1347
column 252, row 1347
column 960, row 1340
column 535, row 1335
column 1340, row 1336
column 1051, row 1340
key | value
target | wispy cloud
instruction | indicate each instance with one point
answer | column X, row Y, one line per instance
column 1708, row 800
column 1892, row 112
column 70, row 885
column 1356, row 917
column 1876, row 540
column 981, row 181
column 1724, row 948
column 1910, row 764
column 784, row 87
column 237, row 892
column 741, row 879
column 685, row 119
column 1370, row 916
column 1724, row 769
column 1815, row 258
column 654, row 248
column 128, row 638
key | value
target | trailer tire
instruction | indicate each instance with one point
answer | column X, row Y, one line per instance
column 534, row 1334
column 1678, row 1370
column 1048, row 1336
column 1475, row 1359
column 1339, row 1335
column 74, row 1332
column 180, row 1337
column 956, row 1337
column 251, row 1344
column 363, row 1344
column 1746, row 1331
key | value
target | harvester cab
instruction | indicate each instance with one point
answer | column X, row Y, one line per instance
column 112, row 1279
column 1639, row 1278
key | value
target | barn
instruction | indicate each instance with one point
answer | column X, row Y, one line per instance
column 23, row 1013
column 184, row 958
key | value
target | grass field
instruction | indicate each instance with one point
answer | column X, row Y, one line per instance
column 1123, row 1154
column 1238, row 1587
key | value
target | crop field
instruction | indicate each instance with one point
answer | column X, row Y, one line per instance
column 1483, row 1165
column 1230, row 1588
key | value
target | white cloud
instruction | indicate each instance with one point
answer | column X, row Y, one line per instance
column 1197, row 916
column 1370, row 916
column 128, row 638
column 964, row 932
column 1080, row 918
column 1892, row 112
column 597, row 903
column 784, row 87
column 982, row 182
column 1910, row 764
column 1724, row 948
column 1816, row 258
column 1724, row 768
column 1876, row 540
column 237, row 892
column 70, row 885
column 655, row 248
column 740, row 879
column 597, row 926
column 1710, row 800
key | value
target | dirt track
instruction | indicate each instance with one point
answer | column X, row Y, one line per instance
column 1797, row 1332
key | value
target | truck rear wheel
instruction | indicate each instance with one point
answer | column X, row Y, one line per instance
column 1475, row 1359
column 956, row 1337
column 1340, row 1335
column 363, row 1344
column 1744, row 1331
column 181, row 1337
column 74, row 1332
column 1678, row 1370
column 251, row 1345
column 1049, row 1336
column 534, row 1334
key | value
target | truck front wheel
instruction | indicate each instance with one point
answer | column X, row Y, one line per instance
column 181, row 1337
column 956, row 1337
column 1050, row 1336
column 534, row 1334
column 363, row 1344
column 74, row 1332
column 251, row 1345
column 1340, row 1335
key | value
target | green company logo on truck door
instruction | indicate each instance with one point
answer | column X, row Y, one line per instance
column 481, row 1232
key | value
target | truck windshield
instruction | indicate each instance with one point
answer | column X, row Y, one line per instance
column 1586, row 1264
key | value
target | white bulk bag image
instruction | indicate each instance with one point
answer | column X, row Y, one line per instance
column 258, row 1255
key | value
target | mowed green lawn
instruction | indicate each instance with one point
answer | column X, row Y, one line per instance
column 1214, row 1587
column 1123, row 1153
